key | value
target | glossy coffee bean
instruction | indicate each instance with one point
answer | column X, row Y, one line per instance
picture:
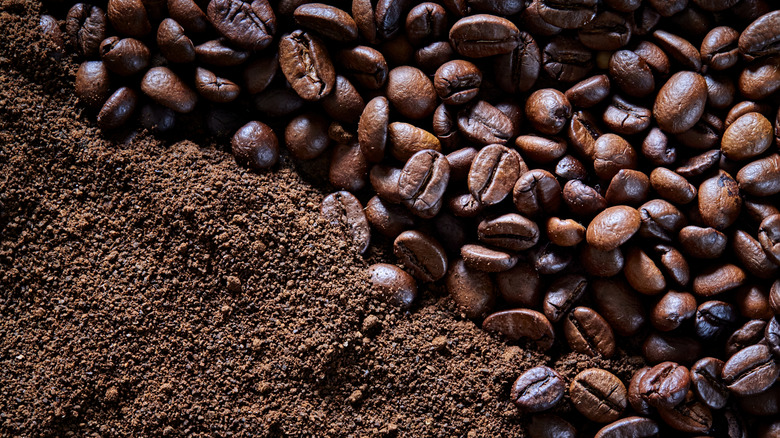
column 373, row 129
column 389, row 219
column 611, row 154
column 85, row 26
column 629, row 187
column 365, row 65
column 635, row 398
column 666, row 347
column 619, row 305
column 679, row 49
column 719, row 201
column 306, row 136
column 631, row 73
column 518, row 70
column 483, row 35
column 93, row 83
column 672, row 310
column 750, row 371
column 613, row 227
column 411, row 92
column 690, row 416
column 607, row 31
column 329, row 21
column 249, row 25
column 761, row 36
column 344, row 103
column 214, row 88
column 769, row 237
column 219, row 53
column 537, row 193
column 538, row 389
column 759, row 79
column 680, row 102
column 752, row 256
column 493, row 174
column 548, row 110
column 707, row 384
column 561, row 295
column 510, row 231
column 638, row 427
column 189, row 15
column 703, row 243
column 598, row 395
column 565, row 232
column 472, row 290
column 522, row 323
column 405, row 140
column 423, row 181
column 624, row 117
column 484, row 124
column 718, row 49
column 583, row 133
column 772, row 336
column 521, row 285
column 378, row 20
column 665, row 385
column 117, row 109
column 717, row 279
column 164, row 87
column 129, row 17
column 550, row 426
column 570, row 15
column 124, row 57
column 306, row 64
column 174, row 45
column 348, row 167
column 588, row 333
column 425, row 23
column 699, row 164
column 393, row 284
column 583, row 200
column 255, row 145
column 457, row 82
column 751, row 333
column 748, row 136
column 713, row 318
column 642, row 273
column 541, row 149
column 761, row 177
column 487, row 259
column 422, row 255
column 660, row 220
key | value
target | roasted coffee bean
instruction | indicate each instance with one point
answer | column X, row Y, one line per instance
column 425, row 23
column 484, row 124
column 93, row 83
column 565, row 232
column 550, row 259
column 189, row 15
column 598, row 395
column 174, row 45
column 521, row 285
column 460, row 163
column 472, row 290
column 760, row 79
column 628, row 186
column 482, row 35
column 654, row 57
column 550, row 426
column 613, row 227
column 306, row 65
column 389, row 219
column 750, row 371
column 348, row 167
column 278, row 102
column 421, row 254
column 751, row 255
column 569, row 167
column 450, row 231
column 86, row 28
column 562, row 294
column 255, row 145
column 249, row 25
column 164, row 87
column 537, row 193
column 690, row 416
column 667, row 8
column 631, row 73
column 703, row 243
column 665, row 385
column 222, row 122
column 753, row 301
column 619, row 306
column 129, row 17
column 517, row 70
column 743, row 108
column 719, row 48
column 660, row 220
column 541, row 149
column 214, row 88
column 538, row 389
column 493, row 174
column 588, row 333
column 638, row 427
column 625, row 117
column 216, row 52
column 635, row 398
column 716, row 279
column 429, row 58
column 589, row 92
column 548, row 110
column 601, row 263
column 680, row 102
column 707, row 384
column 566, row 59
column 486, row 259
column 405, row 140
column 306, row 136
column 608, row 31
column 642, row 273
column 393, row 284
column 765, row 404
column 671, row 186
column 373, row 129
column 679, row 49
column 457, row 82
column 378, row 20
column 774, row 296
column 657, row 149
column 411, row 92
column 761, row 37
column 713, row 317
column 510, row 231
column 445, row 126
column 117, row 109
column 662, row 347
column 612, row 153
column 365, row 65
column 672, row 310
column 329, row 21
column 344, row 103
column 769, row 237
column 124, row 57
column 567, row 15
column 157, row 118
column 772, row 335
column 748, row 136
column 533, row 22
column 699, row 164
column 465, row 205
column 342, row 209
column 583, row 200
column 522, row 323
column 672, row 262
column 423, row 181
column 720, row 95
column 50, row 30
column 583, row 132
column 259, row 73
column 761, row 177
column 719, row 201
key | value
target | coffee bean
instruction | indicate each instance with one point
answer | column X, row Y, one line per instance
column 704, row 243
column 699, row 164
column 259, row 73
column 117, row 109
column 626, row 118
column 690, row 416
column 550, row 259
column 638, row 427
column 518, row 70
column 707, row 384
column 389, row 219
column 445, row 126
column 753, row 302
column 660, row 220
column 666, row 347
column 721, row 90
column 672, row 310
column 406, row 140
column 750, row 371
column 485, row 124
column 671, row 186
column 486, row 259
column 538, row 389
column 568, row 15
column 472, row 290
column 654, row 57
column 217, row 52
column 541, row 149
column 165, row 88
column 548, row 110
column 460, row 163
column 342, row 209
column 612, row 153
column 550, row 426
column 562, row 294
column 613, row 227
column 769, row 237
column 713, row 317
column 393, row 284
column 521, row 285
column 565, row 232
column 598, row 395
column 157, row 118
column 421, row 254
column 765, row 404
column 583, row 132
column 748, row 136
column 635, row 398
column 249, row 25
column 214, row 88
column 482, row 35
column 619, row 306
column 378, row 20
column 189, row 15
column 566, row 59
column 327, row 20
column 255, row 145
column 601, row 263
column 411, row 92
column 348, row 167
column 306, row 136
column 680, row 102
column 364, row 64
column 665, row 385
column 457, row 82
column 631, row 73
column 174, row 45
column 588, row 333
column 521, row 323
column 433, row 56
column 772, row 336
column 717, row 279
column 679, row 49
column 569, row 167
column 423, row 181
column 774, row 296
column 583, row 200
column 719, row 48
column 589, row 92
column 124, row 57
column 493, row 174
column 761, row 177
column 86, row 28
column 629, row 187
column 426, row 23
column 306, row 65
column 50, row 30
column 537, row 193
column 93, row 83
column 344, row 103
column 642, row 273
column 760, row 79
column 752, row 256
column 510, row 231
column 719, row 201
column 129, row 17
column 760, row 38
column 608, row 31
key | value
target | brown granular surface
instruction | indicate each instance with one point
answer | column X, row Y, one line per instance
column 158, row 289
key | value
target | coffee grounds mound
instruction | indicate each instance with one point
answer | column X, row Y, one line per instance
column 152, row 288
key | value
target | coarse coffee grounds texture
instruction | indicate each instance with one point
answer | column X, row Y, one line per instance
column 156, row 288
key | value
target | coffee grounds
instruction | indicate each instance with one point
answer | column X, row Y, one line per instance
column 157, row 288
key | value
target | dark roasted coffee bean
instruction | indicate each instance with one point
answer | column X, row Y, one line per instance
column 612, row 153
column 690, row 416
column 393, row 284
column 608, row 31
column 680, row 102
column 493, row 174
column 510, row 231
column 255, row 145
column 425, row 23
column 129, row 17
column 486, row 259
column 259, row 73
column 589, row 92
column 522, row 323
column 679, row 49
column 713, row 317
column 216, row 52
column 598, row 395
column 654, row 57
column 672, row 310
column 538, row 389
column 707, row 384
column 588, row 333
column 86, row 28
column 373, row 129
column 344, row 103
column 541, row 149
column 249, row 25
column 124, row 57
column 389, row 219
column 624, row 117
column 329, row 21
column 348, row 167
column 569, row 14
column 583, row 132
column 774, row 296
column 550, row 259
column 660, row 220
column 214, row 88
column 671, row 186
column 562, row 294
column 673, row 263
column 537, row 193
column 569, row 167
column 751, row 255
column 482, row 35
column 189, row 15
column 613, row 227
column 51, row 32
column 619, row 305
column 306, row 65
column 445, row 126
column 628, row 187
column 173, row 43
column 583, row 200
column 566, row 59
column 411, row 92
column 485, row 124
column 761, row 177
column 550, row 426
column 548, row 110
column 472, row 290
column 667, row 8
column 703, row 243
column 769, row 237
column 117, row 109
column 638, row 427
column 429, row 58
column 761, row 37
column 753, row 302
column 421, row 254
column 465, row 205
column 164, row 87
column 642, row 273
column 518, row 70
column 533, row 22
column 423, row 181
column 750, row 371
column 705, row 134
column 720, row 91
column 364, row 64
column 565, row 232
column 665, row 385
column 342, row 209
column 93, row 83
column 521, row 285
column 657, row 149
column 743, row 108
column 157, row 118
column 719, row 48
column 601, row 263
column 772, row 336
column 699, row 164
column 631, row 73
column 460, row 163
column 457, row 82
column 748, row 136
column 662, row 347
column 635, row 398
column 306, row 136
column 278, row 102
column 716, row 279
column 719, row 201
column 379, row 20
column 760, row 79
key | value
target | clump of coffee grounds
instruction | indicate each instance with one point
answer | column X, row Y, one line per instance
column 153, row 288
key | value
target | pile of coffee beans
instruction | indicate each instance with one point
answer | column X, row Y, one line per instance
column 595, row 176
